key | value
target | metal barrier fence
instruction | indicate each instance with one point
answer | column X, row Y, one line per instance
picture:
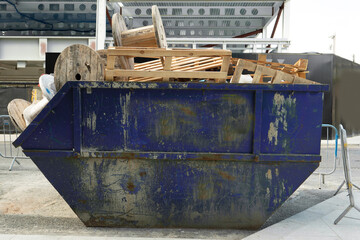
column 9, row 134
column 347, row 172
column 327, row 150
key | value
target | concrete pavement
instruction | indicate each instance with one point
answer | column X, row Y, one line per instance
column 317, row 222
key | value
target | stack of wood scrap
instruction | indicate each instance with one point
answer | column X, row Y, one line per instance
column 117, row 63
column 194, row 64
column 270, row 72
column 170, row 64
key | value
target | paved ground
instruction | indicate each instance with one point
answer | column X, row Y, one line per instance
column 30, row 206
column 317, row 222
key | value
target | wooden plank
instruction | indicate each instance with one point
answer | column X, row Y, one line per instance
column 110, row 62
column 258, row 73
column 103, row 55
column 167, row 63
column 238, row 71
column 110, row 66
column 157, row 62
column 299, row 80
column 167, row 66
column 109, row 76
column 181, row 64
column 168, row 74
column 263, row 71
column 142, row 37
column 262, row 57
column 145, row 79
column 224, row 69
column 196, row 63
column 161, row 52
column 302, row 64
column 249, row 65
column 272, row 64
column 282, row 77
column 153, row 65
column 203, row 66
column 301, row 74
column 144, row 42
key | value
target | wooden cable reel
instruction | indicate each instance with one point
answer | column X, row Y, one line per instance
column 15, row 109
column 78, row 63
column 148, row 36
column 118, row 27
column 158, row 28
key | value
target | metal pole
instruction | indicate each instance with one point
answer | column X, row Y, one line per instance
column 322, row 174
column 100, row 24
column 276, row 24
column 286, row 20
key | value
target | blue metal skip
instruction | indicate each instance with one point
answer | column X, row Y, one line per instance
column 177, row 154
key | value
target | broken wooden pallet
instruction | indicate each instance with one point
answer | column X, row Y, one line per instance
column 299, row 68
column 176, row 64
column 277, row 76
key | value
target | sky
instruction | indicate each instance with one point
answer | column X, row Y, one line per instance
column 312, row 22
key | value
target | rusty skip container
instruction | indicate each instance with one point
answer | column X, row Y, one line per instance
column 177, row 154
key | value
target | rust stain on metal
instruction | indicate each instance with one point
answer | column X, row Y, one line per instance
column 235, row 99
column 82, row 201
column 188, row 111
column 237, row 119
column 109, row 221
column 166, row 127
column 226, row 176
column 206, row 157
column 131, row 186
column 205, row 191
column 43, row 47
column 129, row 156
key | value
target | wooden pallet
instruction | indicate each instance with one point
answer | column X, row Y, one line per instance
column 276, row 76
column 299, row 68
column 170, row 64
column 179, row 64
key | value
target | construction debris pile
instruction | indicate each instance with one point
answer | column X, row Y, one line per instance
column 159, row 63
column 163, row 64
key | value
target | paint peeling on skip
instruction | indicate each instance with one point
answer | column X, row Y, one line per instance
column 91, row 121
column 273, row 133
column 268, row 174
column 281, row 105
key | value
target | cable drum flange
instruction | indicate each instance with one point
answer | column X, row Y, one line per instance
column 78, row 63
